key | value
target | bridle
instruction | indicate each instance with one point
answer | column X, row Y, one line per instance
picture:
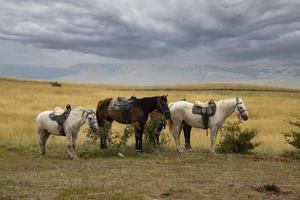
column 164, row 111
column 90, row 112
column 240, row 109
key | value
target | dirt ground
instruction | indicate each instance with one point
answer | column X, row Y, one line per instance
column 163, row 175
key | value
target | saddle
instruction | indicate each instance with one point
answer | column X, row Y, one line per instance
column 124, row 106
column 205, row 110
column 60, row 116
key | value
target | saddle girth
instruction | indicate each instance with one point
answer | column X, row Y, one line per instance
column 124, row 106
column 205, row 112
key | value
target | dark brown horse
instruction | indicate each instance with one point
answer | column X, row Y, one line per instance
column 141, row 108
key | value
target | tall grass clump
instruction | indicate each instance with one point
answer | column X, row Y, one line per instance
column 293, row 137
column 236, row 140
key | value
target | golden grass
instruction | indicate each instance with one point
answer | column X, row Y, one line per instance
column 269, row 108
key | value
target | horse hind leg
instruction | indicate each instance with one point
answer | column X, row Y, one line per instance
column 43, row 137
column 187, row 135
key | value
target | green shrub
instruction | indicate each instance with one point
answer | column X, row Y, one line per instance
column 118, row 139
column 291, row 153
column 236, row 140
column 115, row 140
column 151, row 135
column 293, row 137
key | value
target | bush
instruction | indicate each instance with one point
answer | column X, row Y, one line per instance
column 55, row 84
column 151, row 135
column 117, row 140
column 236, row 140
column 293, row 137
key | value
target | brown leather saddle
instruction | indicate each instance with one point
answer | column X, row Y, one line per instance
column 60, row 119
column 124, row 106
column 205, row 111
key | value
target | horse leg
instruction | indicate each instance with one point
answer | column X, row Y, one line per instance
column 157, row 134
column 213, row 137
column 187, row 135
column 73, row 140
column 142, row 126
column 44, row 135
column 136, row 133
column 71, row 146
column 139, row 137
column 176, row 134
column 103, row 138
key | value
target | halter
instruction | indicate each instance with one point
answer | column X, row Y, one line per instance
column 236, row 106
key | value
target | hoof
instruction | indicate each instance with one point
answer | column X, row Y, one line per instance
column 180, row 151
column 187, row 146
column 139, row 150
column 42, row 156
column 103, row 147
column 74, row 158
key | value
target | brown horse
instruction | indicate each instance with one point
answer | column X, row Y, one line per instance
column 141, row 108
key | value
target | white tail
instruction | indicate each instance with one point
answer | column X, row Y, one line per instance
column 170, row 122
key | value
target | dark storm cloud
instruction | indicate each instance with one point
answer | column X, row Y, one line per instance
column 234, row 30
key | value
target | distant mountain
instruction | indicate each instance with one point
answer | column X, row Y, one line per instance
column 154, row 75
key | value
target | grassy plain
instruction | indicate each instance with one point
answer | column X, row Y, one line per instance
column 270, row 108
column 164, row 175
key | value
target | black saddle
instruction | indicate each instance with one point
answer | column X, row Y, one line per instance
column 124, row 106
column 205, row 111
column 60, row 119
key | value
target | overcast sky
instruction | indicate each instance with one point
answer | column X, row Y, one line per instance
column 66, row 32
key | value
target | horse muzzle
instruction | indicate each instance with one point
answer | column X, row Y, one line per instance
column 244, row 116
column 167, row 115
column 94, row 128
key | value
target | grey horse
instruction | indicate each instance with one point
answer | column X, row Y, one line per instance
column 77, row 117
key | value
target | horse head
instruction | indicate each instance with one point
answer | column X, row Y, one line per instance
column 162, row 106
column 92, row 120
column 241, row 109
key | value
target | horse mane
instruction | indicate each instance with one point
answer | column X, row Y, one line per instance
column 146, row 103
column 225, row 100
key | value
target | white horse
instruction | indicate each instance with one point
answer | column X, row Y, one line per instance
column 181, row 112
column 77, row 117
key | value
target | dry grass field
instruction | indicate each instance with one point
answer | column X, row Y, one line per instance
column 269, row 108
column 164, row 175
